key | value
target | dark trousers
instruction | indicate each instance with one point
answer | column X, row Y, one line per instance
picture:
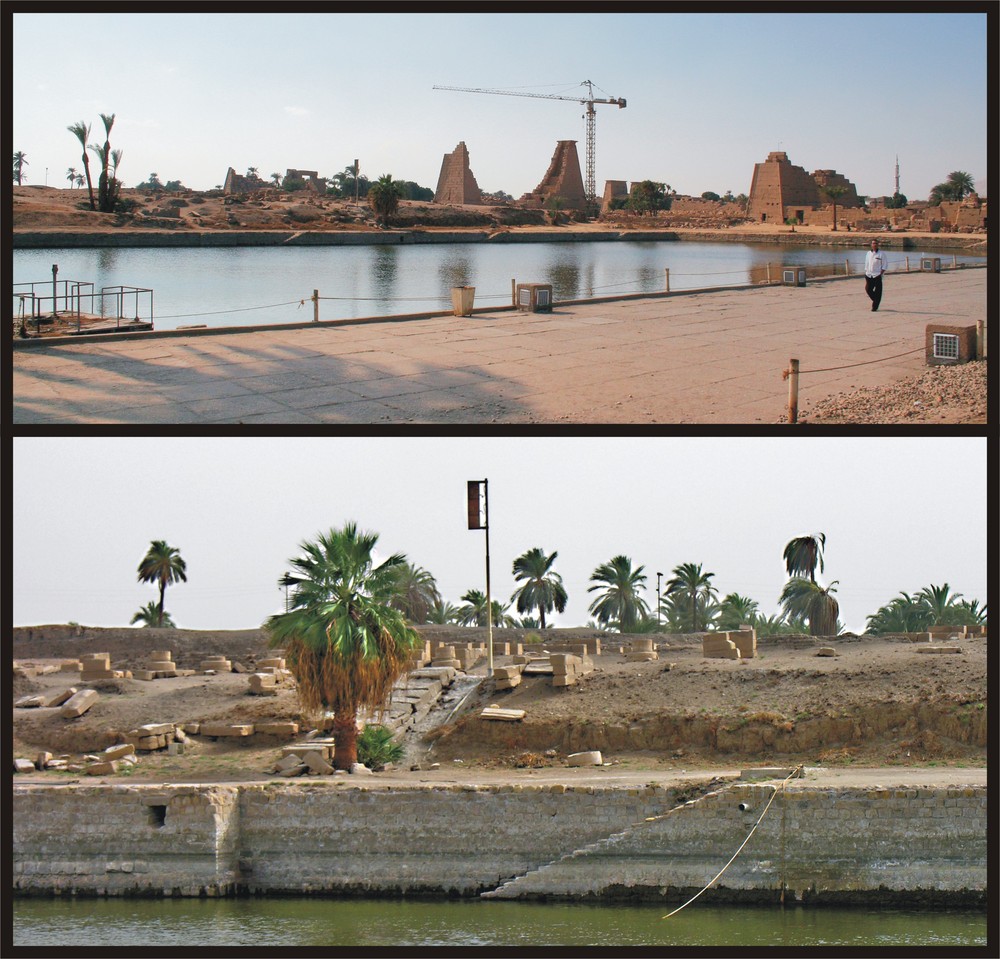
column 873, row 287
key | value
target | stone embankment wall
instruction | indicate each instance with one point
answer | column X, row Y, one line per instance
column 509, row 841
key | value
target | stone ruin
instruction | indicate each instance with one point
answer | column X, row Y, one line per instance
column 237, row 183
column 780, row 190
column 456, row 185
column 563, row 181
column 313, row 181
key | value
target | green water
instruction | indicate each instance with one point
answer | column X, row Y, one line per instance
column 379, row 923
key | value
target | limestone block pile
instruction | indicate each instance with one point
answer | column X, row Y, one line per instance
column 79, row 703
column 216, row 664
column 415, row 694
column 738, row 644
column 567, row 668
column 719, row 646
column 270, row 673
column 445, row 656
column 95, row 666
column 507, row 677
column 642, row 651
column 161, row 666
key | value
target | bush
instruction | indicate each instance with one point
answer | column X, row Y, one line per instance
column 377, row 748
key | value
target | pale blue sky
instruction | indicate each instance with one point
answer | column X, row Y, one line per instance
column 898, row 514
column 708, row 95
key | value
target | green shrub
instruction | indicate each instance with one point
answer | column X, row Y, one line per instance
column 377, row 748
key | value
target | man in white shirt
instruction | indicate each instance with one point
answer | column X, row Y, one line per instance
column 875, row 266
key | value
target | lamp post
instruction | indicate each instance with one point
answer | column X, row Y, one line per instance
column 659, row 576
column 481, row 520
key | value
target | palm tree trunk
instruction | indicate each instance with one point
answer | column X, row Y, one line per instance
column 345, row 740
column 163, row 590
column 541, row 615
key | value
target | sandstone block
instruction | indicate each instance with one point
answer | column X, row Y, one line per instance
column 360, row 769
column 300, row 749
column 104, row 659
column 156, row 729
column 591, row 758
column 227, row 729
column 175, row 749
column 102, row 769
column 70, row 666
column 29, row 702
column 565, row 663
column 24, row 766
column 158, row 664
column 283, row 730
column 297, row 770
column 273, row 662
column 162, row 655
column 827, row 651
column 146, row 675
column 42, row 760
column 643, row 657
column 316, row 763
column 288, row 761
column 118, row 752
column 567, row 680
column 504, row 715
column 939, row 649
column 79, row 703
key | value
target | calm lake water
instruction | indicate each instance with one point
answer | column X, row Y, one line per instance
column 369, row 923
column 225, row 286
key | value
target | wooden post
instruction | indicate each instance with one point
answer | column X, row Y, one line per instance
column 793, row 391
column 907, row 264
column 513, row 292
column 315, row 299
column 768, row 272
column 980, row 340
column 847, row 267
column 954, row 261
column 667, row 275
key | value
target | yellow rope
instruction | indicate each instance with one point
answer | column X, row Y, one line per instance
column 742, row 844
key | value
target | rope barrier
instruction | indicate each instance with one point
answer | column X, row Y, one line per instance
column 851, row 366
column 245, row 309
column 777, row 789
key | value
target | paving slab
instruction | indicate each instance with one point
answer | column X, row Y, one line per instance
column 714, row 356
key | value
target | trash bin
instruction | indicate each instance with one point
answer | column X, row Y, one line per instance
column 462, row 298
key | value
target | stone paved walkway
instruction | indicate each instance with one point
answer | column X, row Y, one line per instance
column 708, row 357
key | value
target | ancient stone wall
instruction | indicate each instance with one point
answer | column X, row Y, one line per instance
column 563, row 181
column 779, row 189
column 456, row 184
column 521, row 841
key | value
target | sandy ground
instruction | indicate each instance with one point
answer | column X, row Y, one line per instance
column 877, row 702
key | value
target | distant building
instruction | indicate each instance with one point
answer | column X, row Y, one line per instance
column 563, row 181
column 781, row 191
column 456, row 185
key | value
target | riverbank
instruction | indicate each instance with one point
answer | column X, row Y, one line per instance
column 46, row 217
column 812, row 844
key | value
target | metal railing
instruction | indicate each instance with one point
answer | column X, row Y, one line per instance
column 65, row 305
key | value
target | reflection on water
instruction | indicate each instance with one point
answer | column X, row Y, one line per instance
column 233, row 286
column 361, row 923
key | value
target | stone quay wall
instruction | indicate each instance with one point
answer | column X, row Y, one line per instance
column 865, row 845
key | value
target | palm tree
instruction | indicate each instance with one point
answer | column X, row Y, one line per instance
column 81, row 131
column 103, row 153
column 691, row 588
column 343, row 640
column 939, row 601
column 619, row 605
column 79, row 180
column 473, row 613
column 149, row 615
column 834, row 192
column 383, row 197
column 803, row 598
column 960, row 183
column 162, row 565
column 277, row 178
column 902, row 614
column 735, row 610
column 416, row 593
column 252, row 173
column 20, row 162
column 71, row 175
column 442, row 613
column 803, row 554
column 542, row 587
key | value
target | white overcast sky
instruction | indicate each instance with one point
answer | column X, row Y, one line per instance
column 709, row 95
column 898, row 513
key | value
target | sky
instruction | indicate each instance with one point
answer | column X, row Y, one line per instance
column 898, row 513
column 709, row 95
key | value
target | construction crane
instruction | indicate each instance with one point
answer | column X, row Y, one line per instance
column 588, row 101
